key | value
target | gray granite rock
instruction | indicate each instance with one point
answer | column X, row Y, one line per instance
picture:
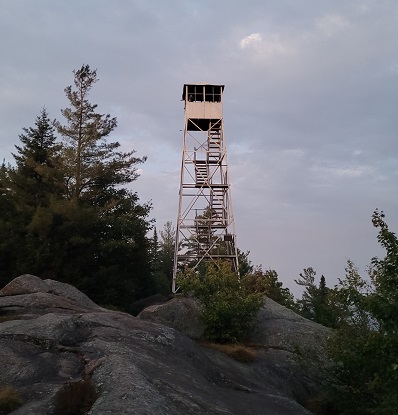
column 279, row 327
column 180, row 313
column 280, row 337
column 138, row 367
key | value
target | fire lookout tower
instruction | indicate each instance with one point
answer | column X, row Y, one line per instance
column 205, row 224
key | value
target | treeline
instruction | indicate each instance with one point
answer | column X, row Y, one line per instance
column 67, row 211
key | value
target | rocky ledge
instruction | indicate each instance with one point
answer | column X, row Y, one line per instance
column 51, row 334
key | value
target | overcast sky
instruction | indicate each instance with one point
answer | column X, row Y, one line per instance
column 310, row 107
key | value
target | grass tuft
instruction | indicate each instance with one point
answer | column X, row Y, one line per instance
column 239, row 352
column 9, row 317
column 9, row 399
column 75, row 398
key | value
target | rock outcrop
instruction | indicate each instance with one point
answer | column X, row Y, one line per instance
column 182, row 314
column 280, row 337
column 52, row 334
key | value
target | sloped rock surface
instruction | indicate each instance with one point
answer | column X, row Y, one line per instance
column 180, row 313
column 279, row 327
column 279, row 336
column 138, row 367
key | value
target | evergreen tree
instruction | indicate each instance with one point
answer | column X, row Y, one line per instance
column 91, row 164
column 318, row 303
column 166, row 250
column 162, row 253
column 72, row 218
column 11, row 237
column 245, row 265
column 36, row 174
column 27, row 188
column 38, row 149
column 306, row 304
column 107, row 240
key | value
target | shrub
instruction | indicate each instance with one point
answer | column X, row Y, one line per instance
column 229, row 303
column 75, row 398
column 9, row 399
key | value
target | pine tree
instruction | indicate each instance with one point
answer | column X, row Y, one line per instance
column 307, row 280
column 11, row 240
column 317, row 303
column 39, row 144
column 112, row 226
column 72, row 218
column 27, row 189
column 166, row 250
column 162, row 253
column 91, row 164
column 245, row 265
column 36, row 173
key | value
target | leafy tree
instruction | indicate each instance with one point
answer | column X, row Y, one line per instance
column 229, row 303
column 364, row 350
column 384, row 273
column 268, row 283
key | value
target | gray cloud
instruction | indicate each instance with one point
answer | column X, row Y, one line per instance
column 309, row 107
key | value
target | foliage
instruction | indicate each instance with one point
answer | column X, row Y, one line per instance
column 162, row 253
column 166, row 250
column 206, row 240
column 66, row 214
column 318, row 302
column 9, row 399
column 229, row 303
column 90, row 163
column 24, row 189
column 75, row 398
column 245, row 265
column 267, row 282
column 364, row 350
column 37, row 173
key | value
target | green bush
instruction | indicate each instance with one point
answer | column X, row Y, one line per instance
column 229, row 303
column 75, row 398
column 363, row 351
column 9, row 399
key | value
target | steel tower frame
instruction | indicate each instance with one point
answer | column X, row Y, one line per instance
column 205, row 223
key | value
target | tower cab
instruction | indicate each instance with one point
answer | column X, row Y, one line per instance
column 203, row 105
